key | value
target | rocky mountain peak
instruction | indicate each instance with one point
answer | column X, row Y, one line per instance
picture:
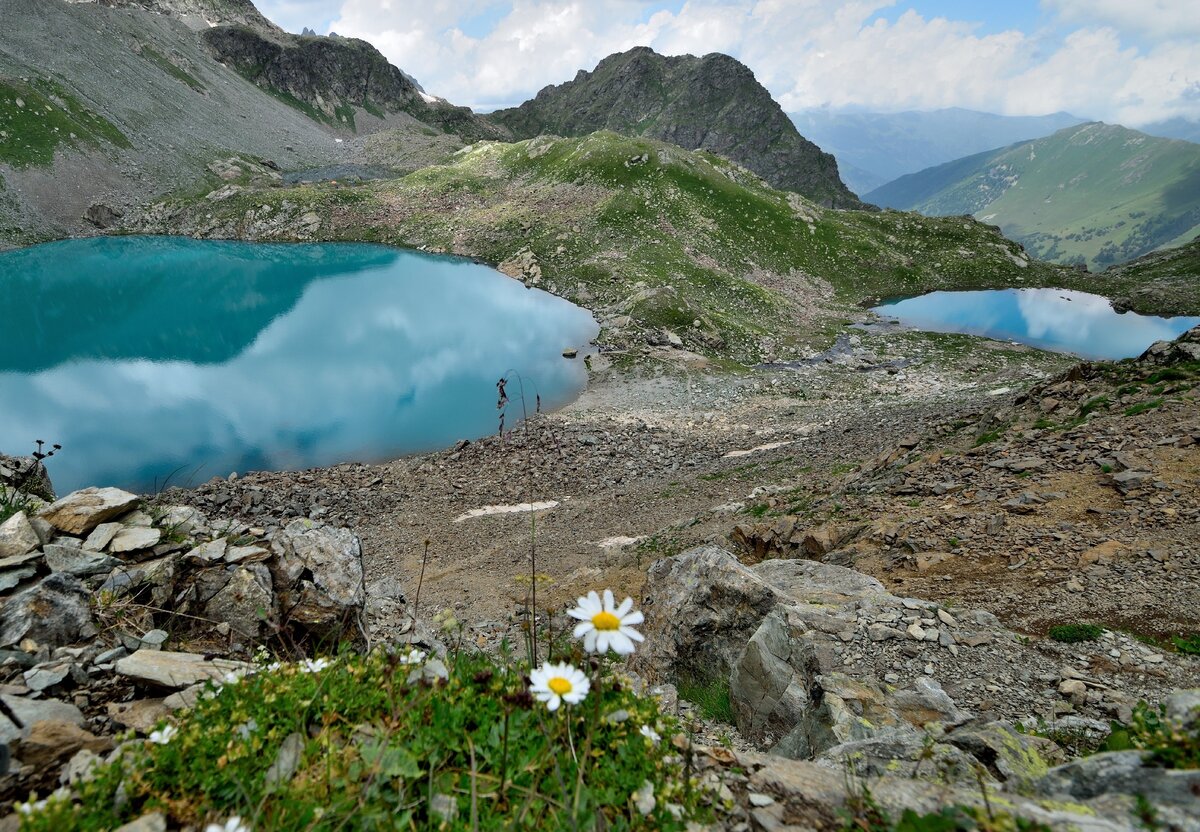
column 711, row 103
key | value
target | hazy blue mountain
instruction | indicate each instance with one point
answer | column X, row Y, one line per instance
column 875, row 148
column 1174, row 128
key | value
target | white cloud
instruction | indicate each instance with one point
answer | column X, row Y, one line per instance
column 1172, row 19
column 812, row 53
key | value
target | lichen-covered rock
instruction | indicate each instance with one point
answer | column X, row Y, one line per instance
column 55, row 612
column 82, row 511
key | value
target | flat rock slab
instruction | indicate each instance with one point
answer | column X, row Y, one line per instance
column 133, row 539
column 82, row 511
column 33, row 711
column 175, row 670
column 78, row 561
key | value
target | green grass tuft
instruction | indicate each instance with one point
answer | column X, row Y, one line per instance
column 1075, row 633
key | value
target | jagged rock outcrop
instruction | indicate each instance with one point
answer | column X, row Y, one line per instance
column 711, row 103
column 331, row 76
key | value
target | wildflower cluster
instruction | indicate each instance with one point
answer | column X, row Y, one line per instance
column 603, row 626
column 393, row 738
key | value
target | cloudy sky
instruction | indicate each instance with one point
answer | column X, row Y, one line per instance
column 1123, row 61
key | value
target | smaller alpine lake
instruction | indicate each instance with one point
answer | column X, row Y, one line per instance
column 150, row 358
column 1051, row 319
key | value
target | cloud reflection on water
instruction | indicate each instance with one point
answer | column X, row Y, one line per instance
column 1053, row 319
column 397, row 358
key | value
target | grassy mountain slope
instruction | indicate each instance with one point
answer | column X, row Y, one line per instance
column 1097, row 194
column 1165, row 282
column 872, row 149
column 712, row 103
column 649, row 236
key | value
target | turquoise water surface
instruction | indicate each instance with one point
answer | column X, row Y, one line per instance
column 1052, row 319
column 144, row 356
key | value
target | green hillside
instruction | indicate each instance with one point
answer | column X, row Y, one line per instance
column 651, row 236
column 1097, row 194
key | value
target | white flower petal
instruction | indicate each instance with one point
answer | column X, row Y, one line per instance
column 583, row 627
column 629, row 632
column 620, row 643
column 633, row 618
column 608, row 600
column 625, row 607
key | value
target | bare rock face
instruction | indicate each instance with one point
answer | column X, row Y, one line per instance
column 56, row 611
column 82, row 511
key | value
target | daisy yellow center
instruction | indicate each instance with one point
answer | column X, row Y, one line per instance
column 605, row 620
column 559, row 685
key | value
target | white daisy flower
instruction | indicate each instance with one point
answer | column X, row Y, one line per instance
column 604, row 626
column 650, row 734
column 163, row 735
column 558, row 683
column 234, row 824
column 314, row 665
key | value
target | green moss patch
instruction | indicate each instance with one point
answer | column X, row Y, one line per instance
column 39, row 116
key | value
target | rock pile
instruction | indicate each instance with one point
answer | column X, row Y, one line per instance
column 823, row 664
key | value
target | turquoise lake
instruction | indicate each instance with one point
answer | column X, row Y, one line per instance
column 1051, row 319
column 149, row 357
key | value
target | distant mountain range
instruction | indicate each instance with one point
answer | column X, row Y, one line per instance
column 712, row 103
column 872, row 149
column 1095, row 194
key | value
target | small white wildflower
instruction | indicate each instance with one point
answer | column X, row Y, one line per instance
column 31, row 807
column 234, row 824
column 247, row 728
column 233, row 677
column 314, row 665
column 554, row 684
column 273, row 666
column 414, row 657
column 650, row 734
column 163, row 735
column 604, row 626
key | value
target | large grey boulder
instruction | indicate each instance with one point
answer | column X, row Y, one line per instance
column 318, row 574
column 702, row 607
column 82, row 511
column 55, row 612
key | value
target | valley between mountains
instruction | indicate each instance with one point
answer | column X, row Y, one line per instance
column 882, row 570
